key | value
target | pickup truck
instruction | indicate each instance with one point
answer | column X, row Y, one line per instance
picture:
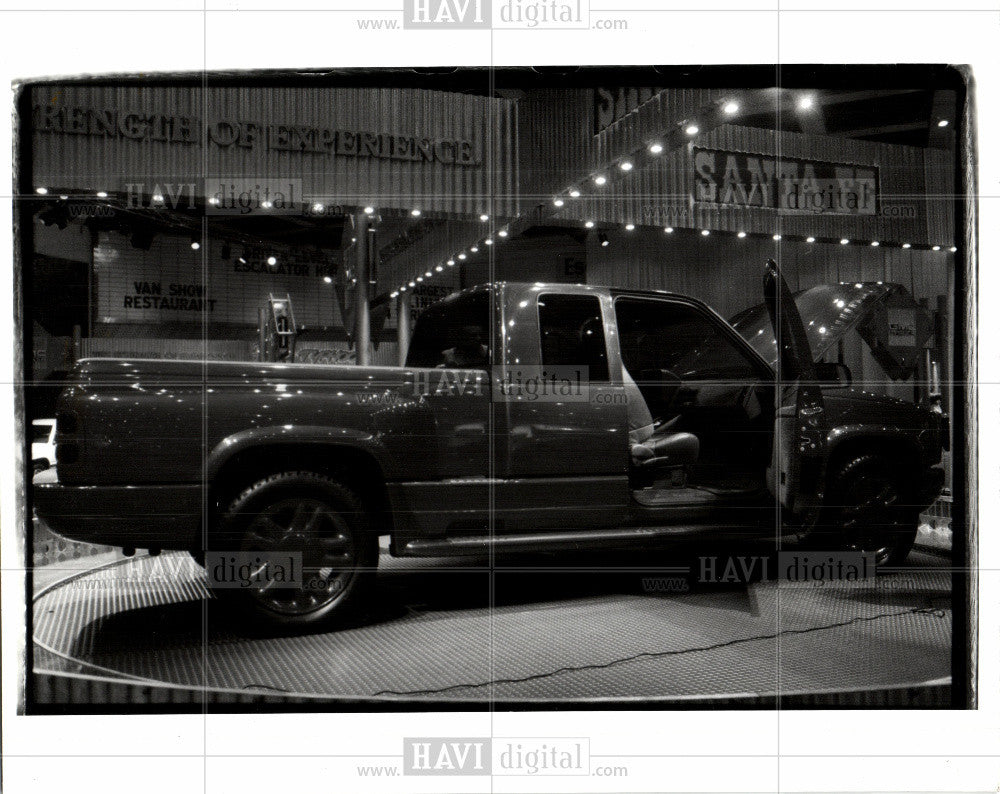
column 528, row 417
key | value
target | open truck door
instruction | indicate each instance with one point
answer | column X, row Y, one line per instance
column 798, row 461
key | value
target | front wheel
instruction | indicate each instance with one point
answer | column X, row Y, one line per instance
column 291, row 519
column 867, row 509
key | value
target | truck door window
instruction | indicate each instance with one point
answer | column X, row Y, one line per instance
column 572, row 333
column 454, row 333
column 659, row 335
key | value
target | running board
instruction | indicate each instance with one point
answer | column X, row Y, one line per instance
column 623, row 537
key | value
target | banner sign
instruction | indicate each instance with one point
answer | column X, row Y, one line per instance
column 232, row 133
column 612, row 104
column 425, row 295
column 786, row 184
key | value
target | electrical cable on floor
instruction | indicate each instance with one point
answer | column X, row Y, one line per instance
column 938, row 613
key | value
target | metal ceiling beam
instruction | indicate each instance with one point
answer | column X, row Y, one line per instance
column 885, row 129
column 864, row 96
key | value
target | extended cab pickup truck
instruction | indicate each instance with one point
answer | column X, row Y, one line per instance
column 528, row 417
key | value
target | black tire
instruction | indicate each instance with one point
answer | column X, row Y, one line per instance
column 315, row 516
column 868, row 508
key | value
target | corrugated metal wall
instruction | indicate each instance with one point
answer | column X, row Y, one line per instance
column 87, row 162
column 558, row 145
column 561, row 149
column 202, row 350
column 726, row 271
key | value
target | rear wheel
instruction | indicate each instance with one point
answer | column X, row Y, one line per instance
column 867, row 509
column 303, row 519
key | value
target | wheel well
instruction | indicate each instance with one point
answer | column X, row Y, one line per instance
column 899, row 451
column 353, row 467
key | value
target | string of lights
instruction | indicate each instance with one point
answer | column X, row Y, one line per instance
column 720, row 112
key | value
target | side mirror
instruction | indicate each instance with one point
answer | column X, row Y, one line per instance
column 835, row 375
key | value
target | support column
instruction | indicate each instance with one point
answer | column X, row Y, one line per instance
column 403, row 326
column 362, row 330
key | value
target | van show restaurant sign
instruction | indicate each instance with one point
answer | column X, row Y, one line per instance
column 129, row 125
column 786, row 184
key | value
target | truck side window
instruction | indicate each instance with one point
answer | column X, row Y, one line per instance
column 660, row 335
column 453, row 333
column 572, row 331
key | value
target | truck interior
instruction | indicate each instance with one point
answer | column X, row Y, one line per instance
column 700, row 415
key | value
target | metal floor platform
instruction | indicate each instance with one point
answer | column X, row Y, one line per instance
column 455, row 630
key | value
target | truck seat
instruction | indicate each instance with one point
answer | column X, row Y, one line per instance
column 655, row 447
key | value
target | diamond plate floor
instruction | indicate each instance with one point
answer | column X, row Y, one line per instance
column 553, row 632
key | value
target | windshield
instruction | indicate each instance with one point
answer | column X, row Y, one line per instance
column 828, row 311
